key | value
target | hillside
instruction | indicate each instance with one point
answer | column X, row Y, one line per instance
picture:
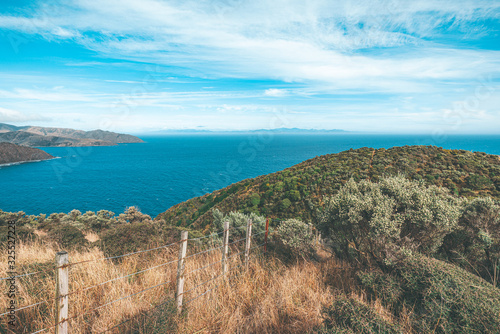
column 11, row 153
column 297, row 191
column 45, row 136
column 35, row 140
column 394, row 256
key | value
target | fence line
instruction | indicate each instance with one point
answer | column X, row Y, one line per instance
column 61, row 322
column 120, row 256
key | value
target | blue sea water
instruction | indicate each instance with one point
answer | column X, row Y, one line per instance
column 168, row 170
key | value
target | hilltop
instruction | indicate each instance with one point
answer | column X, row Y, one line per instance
column 37, row 136
column 11, row 153
column 296, row 191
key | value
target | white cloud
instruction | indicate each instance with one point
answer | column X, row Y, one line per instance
column 9, row 115
column 53, row 95
column 274, row 92
column 316, row 41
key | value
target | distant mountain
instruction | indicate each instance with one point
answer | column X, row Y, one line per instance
column 43, row 136
column 11, row 153
column 34, row 140
column 277, row 131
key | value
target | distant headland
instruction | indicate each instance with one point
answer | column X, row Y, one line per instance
column 37, row 136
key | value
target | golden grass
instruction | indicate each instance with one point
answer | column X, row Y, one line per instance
column 269, row 297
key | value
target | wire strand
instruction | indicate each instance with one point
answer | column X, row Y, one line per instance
column 123, row 255
column 117, row 278
column 28, row 274
column 203, row 252
column 135, row 316
column 208, row 235
column 25, row 307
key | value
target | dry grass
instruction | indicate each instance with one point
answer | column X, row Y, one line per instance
column 269, row 297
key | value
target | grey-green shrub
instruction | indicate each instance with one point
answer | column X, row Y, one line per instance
column 294, row 237
column 368, row 220
column 348, row 315
column 475, row 245
column 238, row 222
column 445, row 298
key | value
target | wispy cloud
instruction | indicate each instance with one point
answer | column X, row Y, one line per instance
column 332, row 53
column 9, row 115
column 54, row 95
column 274, row 92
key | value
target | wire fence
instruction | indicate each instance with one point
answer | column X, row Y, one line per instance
column 181, row 273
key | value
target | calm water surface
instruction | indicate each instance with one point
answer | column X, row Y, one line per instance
column 167, row 170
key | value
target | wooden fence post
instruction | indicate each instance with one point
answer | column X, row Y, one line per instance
column 180, row 270
column 225, row 247
column 249, row 238
column 62, row 280
column 265, row 237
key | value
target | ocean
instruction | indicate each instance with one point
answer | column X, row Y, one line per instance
column 168, row 170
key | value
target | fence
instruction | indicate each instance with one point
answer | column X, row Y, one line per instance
column 62, row 266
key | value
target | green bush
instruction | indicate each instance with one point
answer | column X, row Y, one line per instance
column 285, row 204
column 382, row 286
column 475, row 245
column 23, row 233
column 445, row 298
column 347, row 315
column 237, row 223
column 294, row 238
column 369, row 221
column 131, row 237
column 66, row 236
column 254, row 200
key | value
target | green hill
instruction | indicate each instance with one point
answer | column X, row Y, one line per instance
column 296, row 191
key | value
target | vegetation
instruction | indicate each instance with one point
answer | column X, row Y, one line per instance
column 399, row 253
column 297, row 191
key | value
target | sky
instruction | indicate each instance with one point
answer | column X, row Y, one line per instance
column 147, row 65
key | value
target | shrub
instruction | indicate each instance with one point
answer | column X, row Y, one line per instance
column 294, row 195
column 66, row 236
column 368, row 221
column 133, row 215
column 348, row 315
column 238, row 222
column 23, row 233
column 132, row 237
column 476, row 243
column 294, row 237
column 381, row 286
column 285, row 204
column 254, row 200
column 445, row 298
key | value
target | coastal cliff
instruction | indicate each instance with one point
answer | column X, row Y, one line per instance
column 11, row 153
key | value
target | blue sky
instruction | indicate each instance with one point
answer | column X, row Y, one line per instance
column 143, row 65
